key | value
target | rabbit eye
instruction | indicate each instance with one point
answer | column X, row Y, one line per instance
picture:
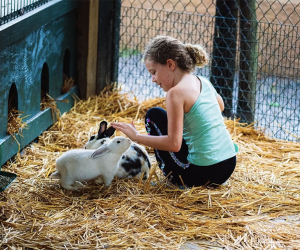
column 92, row 137
column 118, row 141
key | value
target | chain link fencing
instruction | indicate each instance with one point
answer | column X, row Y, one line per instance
column 11, row 9
column 254, row 47
column 254, row 50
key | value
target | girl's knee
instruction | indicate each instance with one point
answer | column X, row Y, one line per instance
column 156, row 121
column 152, row 113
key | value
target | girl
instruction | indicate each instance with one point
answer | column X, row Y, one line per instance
column 191, row 143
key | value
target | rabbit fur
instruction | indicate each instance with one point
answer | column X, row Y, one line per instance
column 81, row 165
column 134, row 161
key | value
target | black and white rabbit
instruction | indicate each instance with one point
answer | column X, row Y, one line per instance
column 134, row 161
column 78, row 165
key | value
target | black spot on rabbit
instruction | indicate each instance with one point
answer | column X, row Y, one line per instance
column 140, row 153
column 131, row 165
column 133, row 162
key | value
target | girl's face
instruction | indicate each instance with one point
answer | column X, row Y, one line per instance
column 162, row 75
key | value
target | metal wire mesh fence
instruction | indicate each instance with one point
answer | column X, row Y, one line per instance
column 254, row 47
column 11, row 9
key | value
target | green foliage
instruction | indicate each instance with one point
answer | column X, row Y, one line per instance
column 274, row 104
column 127, row 52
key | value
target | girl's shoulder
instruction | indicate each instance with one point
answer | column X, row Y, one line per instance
column 186, row 92
column 175, row 92
column 184, row 88
column 206, row 83
column 204, row 80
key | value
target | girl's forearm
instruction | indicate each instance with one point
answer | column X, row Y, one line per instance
column 158, row 142
column 166, row 142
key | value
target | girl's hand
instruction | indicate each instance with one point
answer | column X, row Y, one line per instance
column 127, row 129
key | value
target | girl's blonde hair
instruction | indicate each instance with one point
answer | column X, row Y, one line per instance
column 187, row 56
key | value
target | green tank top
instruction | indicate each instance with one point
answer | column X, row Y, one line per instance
column 204, row 130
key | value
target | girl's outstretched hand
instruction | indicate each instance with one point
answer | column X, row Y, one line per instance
column 127, row 129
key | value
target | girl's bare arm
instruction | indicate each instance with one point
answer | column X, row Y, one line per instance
column 220, row 101
column 172, row 141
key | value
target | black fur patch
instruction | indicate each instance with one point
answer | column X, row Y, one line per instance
column 140, row 153
column 131, row 165
column 107, row 133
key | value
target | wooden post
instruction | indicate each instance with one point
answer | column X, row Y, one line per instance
column 108, row 40
column 88, row 16
column 92, row 48
column 248, row 61
column 224, row 51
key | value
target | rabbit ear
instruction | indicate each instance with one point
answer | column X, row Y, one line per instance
column 109, row 132
column 100, row 151
column 102, row 128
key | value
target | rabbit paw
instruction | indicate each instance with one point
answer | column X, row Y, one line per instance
column 99, row 180
column 78, row 184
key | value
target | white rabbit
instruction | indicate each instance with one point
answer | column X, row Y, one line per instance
column 134, row 161
column 81, row 165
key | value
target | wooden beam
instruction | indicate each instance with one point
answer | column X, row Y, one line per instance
column 88, row 20
column 92, row 48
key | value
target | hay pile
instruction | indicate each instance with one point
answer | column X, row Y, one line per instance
column 15, row 124
column 257, row 209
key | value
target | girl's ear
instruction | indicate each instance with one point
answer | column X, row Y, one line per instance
column 171, row 64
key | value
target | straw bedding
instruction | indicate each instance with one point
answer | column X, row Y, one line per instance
column 257, row 209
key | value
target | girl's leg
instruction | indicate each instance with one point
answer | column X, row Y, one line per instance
column 215, row 174
column 177, row 164
column 170, row 163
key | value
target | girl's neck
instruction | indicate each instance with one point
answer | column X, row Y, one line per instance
column 179, row 75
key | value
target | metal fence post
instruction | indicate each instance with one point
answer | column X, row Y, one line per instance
column 116, row 40
column 248, row 61
column 224, row 51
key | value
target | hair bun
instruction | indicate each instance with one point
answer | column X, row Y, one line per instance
column 198, row 54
